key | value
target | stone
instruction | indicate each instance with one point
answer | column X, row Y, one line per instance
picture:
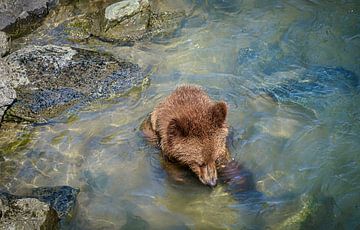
column 26, row 213
column 61, row 198
column 164, row 24
column 22, row 16
column 7, row 96
column 4, row 44
column 122, row 10
column 126, row 19
column 7, row 92
column 125, row 23
column 38, row 208
column 316, row 211
column 54, row 78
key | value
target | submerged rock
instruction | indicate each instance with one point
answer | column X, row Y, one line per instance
column 39, row 208
column 61, row 198
column 316, row 212
column 4, row 44
column 309, row 87
column 57, row 78
column 26, row 213
column 21, row 16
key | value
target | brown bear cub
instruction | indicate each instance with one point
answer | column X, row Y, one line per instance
column 191, row 129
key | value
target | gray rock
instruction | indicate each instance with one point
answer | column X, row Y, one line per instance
column 7, row 93
column 4, row 44
column 60, row 77
column 99, row 24
column 61, row 198
column 124, row 23
column 122, row 10
column 21, row 16
column 7, row 96
column 38, row 208
column 26, row 213
column 127, row 19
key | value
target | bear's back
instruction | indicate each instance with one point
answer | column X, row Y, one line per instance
column 189, row 102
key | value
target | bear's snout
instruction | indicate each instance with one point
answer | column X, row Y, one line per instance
column 208, row 174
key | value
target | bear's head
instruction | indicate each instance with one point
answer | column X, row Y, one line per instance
column 200, row 142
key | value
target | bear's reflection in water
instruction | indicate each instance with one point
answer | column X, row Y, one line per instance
column 240, row 182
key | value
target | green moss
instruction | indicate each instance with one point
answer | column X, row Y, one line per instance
column 79, row 28
column 18, row 145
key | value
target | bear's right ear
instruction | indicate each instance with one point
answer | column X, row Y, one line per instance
column 218, row 113
column 178, row 128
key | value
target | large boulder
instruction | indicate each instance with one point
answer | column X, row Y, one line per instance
column 26, row 213
column 38, row 208
column 21, row 16
column 59, row 77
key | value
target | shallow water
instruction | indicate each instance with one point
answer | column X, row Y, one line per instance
column 289, row 71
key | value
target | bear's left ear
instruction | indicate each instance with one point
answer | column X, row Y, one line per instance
column 218, row 113
column 178, row 127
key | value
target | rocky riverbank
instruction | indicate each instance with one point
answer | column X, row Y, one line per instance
column 40, row 80
column 50, row 79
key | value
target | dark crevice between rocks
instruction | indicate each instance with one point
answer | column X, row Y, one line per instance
column 7, row 107
column 117, row 42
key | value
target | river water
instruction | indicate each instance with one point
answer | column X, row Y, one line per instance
column 289, row 71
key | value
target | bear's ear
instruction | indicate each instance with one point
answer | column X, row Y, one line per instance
column 218, row 113
column 178, row 128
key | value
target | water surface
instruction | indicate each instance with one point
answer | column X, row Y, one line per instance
column 289, row 71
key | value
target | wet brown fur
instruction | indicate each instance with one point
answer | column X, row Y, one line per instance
column 191, row 129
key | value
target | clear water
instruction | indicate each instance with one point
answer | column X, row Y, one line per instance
column 289, row 71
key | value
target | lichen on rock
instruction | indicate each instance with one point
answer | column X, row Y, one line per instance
column 56, row 78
